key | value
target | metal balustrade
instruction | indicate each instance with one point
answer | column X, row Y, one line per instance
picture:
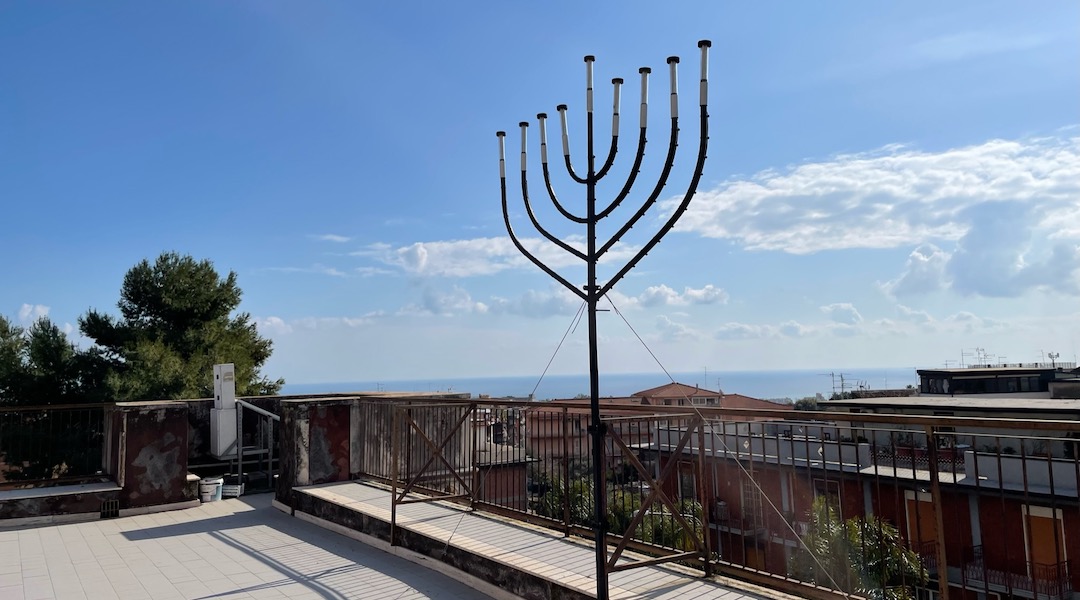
column 51, row 444
column 782, row 498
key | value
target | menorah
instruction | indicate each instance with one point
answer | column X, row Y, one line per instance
column 592, row 292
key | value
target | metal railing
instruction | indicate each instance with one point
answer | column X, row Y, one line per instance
column 51, row 443
column 786, row 499
column 257, row 448
column 1042, row 581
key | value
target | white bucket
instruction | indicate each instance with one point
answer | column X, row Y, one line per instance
column 210, row 489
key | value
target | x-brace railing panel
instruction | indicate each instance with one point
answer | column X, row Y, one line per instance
column 436, row 453
column 656, row 492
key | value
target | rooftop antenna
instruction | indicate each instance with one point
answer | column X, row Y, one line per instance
column 832, row 379
column 592, row 291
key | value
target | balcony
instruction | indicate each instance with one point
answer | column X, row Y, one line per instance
column 928, row 556
column 1041, row 581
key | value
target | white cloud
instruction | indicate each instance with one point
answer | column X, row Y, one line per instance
column 706, row 295
column 843, row 313
column 915, row 316
column 658, row 295
column 480, row 256
column 536, row 304
column 1003, row 255
column 671, row 331
column 794, row 329
column 662, row 295
column 332, row 237
column 893, row 197
column 924, row 272
column 276, row 326
column 317, row 269
column 272, row 326
column 743, row 331
column 28, row 313
column 372, row 271
column 456, row 301
column 971, row 323
column 843, row 329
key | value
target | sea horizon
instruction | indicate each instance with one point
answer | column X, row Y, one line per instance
column 768, row 384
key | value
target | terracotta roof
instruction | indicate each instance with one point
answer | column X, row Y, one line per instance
column 583, row 406
column 677, row 390
column 740, row 401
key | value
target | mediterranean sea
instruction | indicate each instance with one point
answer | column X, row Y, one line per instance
column 792, row 384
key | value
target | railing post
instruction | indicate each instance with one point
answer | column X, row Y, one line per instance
column 475, row 463
column 394, row 458
column 939, row 515
column 566, row 470
column 703, row 496
column 270, row 457
column 239, row 444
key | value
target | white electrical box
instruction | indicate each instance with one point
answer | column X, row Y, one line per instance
column 223, row 415
column 223, row 432
column 224, row 386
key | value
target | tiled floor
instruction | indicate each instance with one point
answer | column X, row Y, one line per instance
column 238, row 548
column 542, row 552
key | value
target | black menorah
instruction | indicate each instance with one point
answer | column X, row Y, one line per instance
column 592, row 292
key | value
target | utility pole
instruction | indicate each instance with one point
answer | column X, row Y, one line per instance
column 593, row 291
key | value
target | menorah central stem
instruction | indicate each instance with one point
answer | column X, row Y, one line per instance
column 597, row 426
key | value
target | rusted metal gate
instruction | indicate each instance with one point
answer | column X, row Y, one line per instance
column 694, row 427
column 431, row 452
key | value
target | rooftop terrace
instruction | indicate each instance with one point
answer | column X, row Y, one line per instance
column 236, row 548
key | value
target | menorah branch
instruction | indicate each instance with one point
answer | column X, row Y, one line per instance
column 679, row 210
column 661, row 183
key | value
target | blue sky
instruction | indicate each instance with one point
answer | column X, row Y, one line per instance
column 887, row 184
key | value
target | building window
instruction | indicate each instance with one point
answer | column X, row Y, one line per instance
column 751, row 503
column 926, row 594
column 830, row 490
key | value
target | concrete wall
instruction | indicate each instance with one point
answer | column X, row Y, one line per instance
column 153, row 465
column 1068, row 388
column 51, row 505
column 1010, row 472
column 316, row 445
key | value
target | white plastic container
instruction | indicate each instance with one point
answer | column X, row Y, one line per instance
column 210, row 489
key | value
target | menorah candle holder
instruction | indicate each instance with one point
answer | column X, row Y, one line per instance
column 592, row 292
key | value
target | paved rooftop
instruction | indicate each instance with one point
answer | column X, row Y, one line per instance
column 236, row 548
column 542, row 552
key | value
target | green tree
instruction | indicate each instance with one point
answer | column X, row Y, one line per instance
column 862, row 555
column 11, row 360
column 40, row 366
column 550, row 503
column 807, row 403
column 177, row 319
